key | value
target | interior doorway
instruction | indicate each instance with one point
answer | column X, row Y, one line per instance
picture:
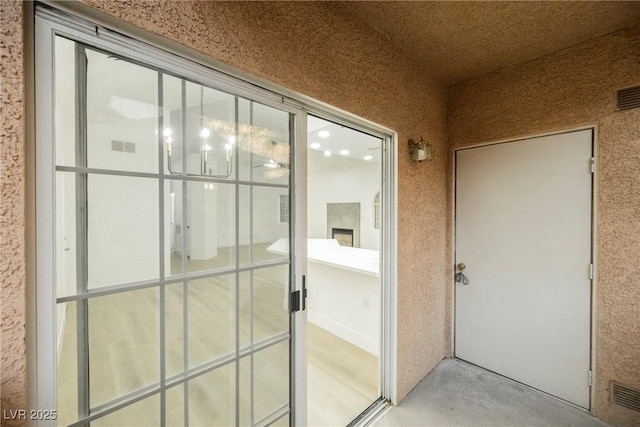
column 523, row 250
column 344, row 304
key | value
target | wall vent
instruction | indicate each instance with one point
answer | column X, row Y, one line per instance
column 124, row 146
column 625, row 396
column 628, row 98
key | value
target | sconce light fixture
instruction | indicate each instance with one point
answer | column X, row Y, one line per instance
column 420, row 150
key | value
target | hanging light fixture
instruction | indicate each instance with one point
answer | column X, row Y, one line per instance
column 205, row 147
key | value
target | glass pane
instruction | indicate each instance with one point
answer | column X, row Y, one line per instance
column 174, row 406
column 210, row 131
column 271, row 379
column 212, row 319
column 270, row 301
column 123, row 218
column 244, row 228
column 175, row 229
column 264, row 143
column 174, row 329
column 210, row 227
column 66, row 255
column 245, row 310
column 282, row 422
column 245, row 391
column 144, row 413
column 121, row 117
column 123, row 343
column 212, row 398
column 65, row 101
column 270, row 233
column 172, row 129
column 67, row 372
column 343, row 186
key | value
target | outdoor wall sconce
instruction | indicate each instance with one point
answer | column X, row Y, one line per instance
column 419, row 150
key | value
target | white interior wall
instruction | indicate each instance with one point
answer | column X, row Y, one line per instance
column 123, row 212
column 355, row 182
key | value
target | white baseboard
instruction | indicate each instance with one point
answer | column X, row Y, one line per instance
column 344, row 332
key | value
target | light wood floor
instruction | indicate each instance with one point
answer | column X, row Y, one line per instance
column 123, row 332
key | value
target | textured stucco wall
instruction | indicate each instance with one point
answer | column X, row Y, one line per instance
column 12, row 219
column 308, row 48
column 567, row 89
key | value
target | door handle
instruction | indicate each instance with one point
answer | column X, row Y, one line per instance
column 459, row 276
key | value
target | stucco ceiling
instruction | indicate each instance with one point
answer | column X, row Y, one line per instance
column 455, row 41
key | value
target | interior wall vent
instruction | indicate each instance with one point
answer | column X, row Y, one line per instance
column 625, row 396
column 124, row 146
column 628, row 98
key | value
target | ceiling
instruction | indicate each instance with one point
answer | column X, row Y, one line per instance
column 333, row 146
column 455, row 41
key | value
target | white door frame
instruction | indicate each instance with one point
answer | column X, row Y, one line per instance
column 594, row 243
column 81, row 22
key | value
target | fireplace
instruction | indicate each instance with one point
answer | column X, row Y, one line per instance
column 344, row 236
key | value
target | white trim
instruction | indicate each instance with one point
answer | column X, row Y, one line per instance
column 594, row 241
column 45, row 377
column 346, row 333
column 594, row 281
column 299, row 323
column 525, row 137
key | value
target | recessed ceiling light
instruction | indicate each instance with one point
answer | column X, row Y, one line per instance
column 315, row 145
column 344, row 152
column 324, row 134
column 368, row 157
column 327, row 153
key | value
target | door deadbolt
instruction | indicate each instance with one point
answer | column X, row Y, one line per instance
column 460, row 266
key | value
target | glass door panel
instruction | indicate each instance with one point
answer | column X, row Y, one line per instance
column 172, row 230
column 344, row 313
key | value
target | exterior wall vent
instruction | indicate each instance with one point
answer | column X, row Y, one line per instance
column 628, row 98
column 625, row 396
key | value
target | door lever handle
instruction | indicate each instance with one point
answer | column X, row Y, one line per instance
column 459, row 276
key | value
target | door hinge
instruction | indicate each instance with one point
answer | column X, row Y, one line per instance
column 590, row 378
column 593, row 164
column 590, row 271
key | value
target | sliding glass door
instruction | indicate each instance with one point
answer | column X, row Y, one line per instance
column 170, row 225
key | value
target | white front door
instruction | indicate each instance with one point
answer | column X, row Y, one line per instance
column 523, row 230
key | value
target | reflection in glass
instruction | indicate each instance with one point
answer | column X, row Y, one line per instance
column 264, row 143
